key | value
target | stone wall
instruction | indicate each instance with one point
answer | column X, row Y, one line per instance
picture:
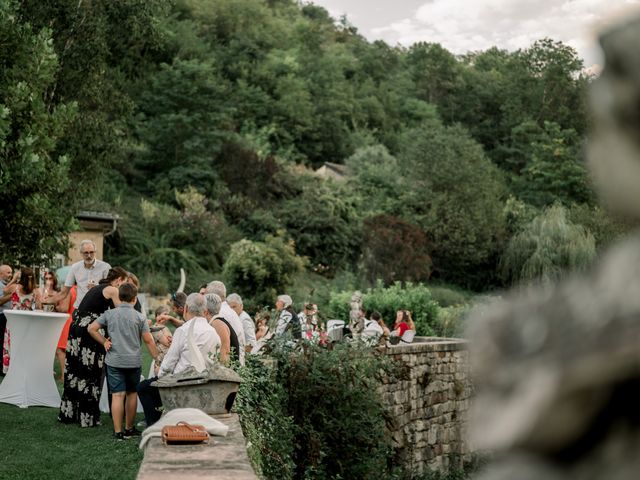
column 428, row 401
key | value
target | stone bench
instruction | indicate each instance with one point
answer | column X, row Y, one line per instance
column 224, row 458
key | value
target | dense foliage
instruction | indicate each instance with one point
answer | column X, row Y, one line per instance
column 315, row 414
column 117, row 105
column 33, row 173
column 261, row 270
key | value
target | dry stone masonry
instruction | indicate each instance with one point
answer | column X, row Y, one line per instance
column 428, row 399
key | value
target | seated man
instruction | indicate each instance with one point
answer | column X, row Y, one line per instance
column 178, row 359
column 177, row 302
column 372, row 330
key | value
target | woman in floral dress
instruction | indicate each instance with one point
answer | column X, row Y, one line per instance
column 85, row 356
column 26, row 297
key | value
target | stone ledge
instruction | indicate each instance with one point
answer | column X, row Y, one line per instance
column 225, row 458
column 428, row 344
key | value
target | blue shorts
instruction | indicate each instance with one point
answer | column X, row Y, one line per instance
column 123, row 379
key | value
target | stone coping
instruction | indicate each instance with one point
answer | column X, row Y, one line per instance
column 428, row 344
column 224, row 458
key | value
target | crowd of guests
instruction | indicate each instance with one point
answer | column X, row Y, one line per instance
column 106, row 329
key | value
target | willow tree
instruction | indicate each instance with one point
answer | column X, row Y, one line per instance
column 547, row 249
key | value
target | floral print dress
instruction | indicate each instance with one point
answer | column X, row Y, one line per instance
column 18, row 302
column 80, row 402
column 83, row 370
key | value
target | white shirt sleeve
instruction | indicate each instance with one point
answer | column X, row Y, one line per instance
column 249, row 329
column 172, row 356
column 70, row 281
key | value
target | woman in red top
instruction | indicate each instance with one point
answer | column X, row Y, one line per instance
column 401, row 324
column 61, row 354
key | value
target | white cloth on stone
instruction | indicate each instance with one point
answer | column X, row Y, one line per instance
column 194, row 416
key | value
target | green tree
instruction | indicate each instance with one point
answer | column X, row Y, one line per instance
column 453, row 192
column 394, row 250
column 101, row 46
column 34, row 175
column 325, row 225
column 182, row 123
column 547, row 249
column 554, row 170
column 436, row 75
column 374, row 175
column 605, row 227
column 259, row 271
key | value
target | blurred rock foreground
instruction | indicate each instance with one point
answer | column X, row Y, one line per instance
column 558, row 368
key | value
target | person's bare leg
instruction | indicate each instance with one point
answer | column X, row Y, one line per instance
column 131, row 407
column 117, row 410
column 61, row 356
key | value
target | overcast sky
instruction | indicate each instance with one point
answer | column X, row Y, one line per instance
column 464, row 25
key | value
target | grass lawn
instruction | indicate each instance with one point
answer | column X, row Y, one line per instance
column 34, row 445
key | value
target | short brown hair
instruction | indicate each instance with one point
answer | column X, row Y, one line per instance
column 179, row 299
column 127, row 292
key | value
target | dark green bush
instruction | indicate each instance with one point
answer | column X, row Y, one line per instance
column 262, row 406
column 259, row 271
column 318, row 411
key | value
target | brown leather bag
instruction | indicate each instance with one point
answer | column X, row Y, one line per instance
column 184, row 433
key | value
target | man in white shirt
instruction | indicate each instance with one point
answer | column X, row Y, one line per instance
column 178, row 358
column 235, row 302
column 372, row 331
column 86, row 274
column 228, row 314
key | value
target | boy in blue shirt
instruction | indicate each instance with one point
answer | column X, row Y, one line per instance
column 126, row 328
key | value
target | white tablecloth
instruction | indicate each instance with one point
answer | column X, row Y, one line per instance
column 34, row 338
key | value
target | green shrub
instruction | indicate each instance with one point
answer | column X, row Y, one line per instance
column 262, row 406
column 413, row 297
column 450, row 321
column 316, row 415
column 449, row 295
column 338, row 418
column 259, row 271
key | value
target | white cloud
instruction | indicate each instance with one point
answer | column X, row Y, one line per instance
column 468, row 25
